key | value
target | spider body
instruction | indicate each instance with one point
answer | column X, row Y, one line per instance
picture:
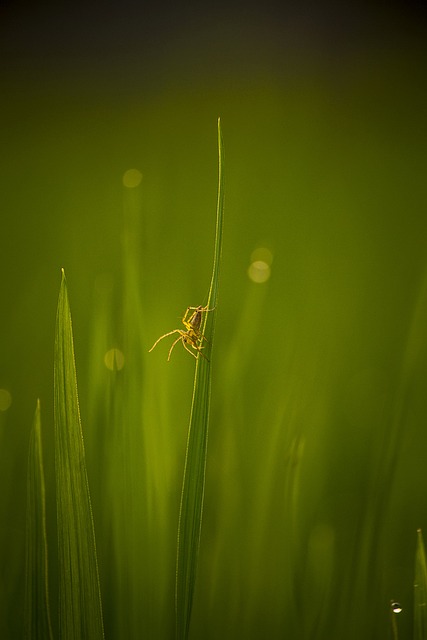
column 192, row 337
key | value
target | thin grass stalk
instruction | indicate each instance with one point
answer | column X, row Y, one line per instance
column 420, row 590
column 37, row 620
column 193, row 487
column 80, row 611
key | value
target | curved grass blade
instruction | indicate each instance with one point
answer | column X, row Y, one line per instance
column 420, row 590
column 80, row 612
column 37, row 623
column 193, row 487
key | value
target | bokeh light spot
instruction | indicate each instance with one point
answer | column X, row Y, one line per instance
column 259, row 271
column 262, row 254
column 132, row 178
column 5, row 399
column 114, row 359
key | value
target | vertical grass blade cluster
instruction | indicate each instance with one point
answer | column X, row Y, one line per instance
column 80, row 612
column 37, row 624
column 191, row 509
column 420, row 590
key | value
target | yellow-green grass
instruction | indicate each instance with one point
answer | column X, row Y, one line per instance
column 315, row 467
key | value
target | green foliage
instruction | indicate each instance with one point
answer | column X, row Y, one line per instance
column 420, row 590
column 80, row 612
column 314, row 482
column 193, row 487
column 37, row 623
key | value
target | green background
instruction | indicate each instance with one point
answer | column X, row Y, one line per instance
column 316, row 480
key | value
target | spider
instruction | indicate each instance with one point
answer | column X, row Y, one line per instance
column 192, row 336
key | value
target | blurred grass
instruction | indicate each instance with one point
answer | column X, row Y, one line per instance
column 314, row 483
column 420, row 590
column 37, row 621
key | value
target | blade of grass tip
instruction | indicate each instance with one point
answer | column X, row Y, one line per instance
column 420, row 590
column 80, row 611
column 37, row 623
column 191, row 508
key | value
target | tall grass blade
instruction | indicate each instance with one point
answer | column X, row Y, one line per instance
column 191, row 509
column 420, row 590
column 37, row 623
column 80, row 612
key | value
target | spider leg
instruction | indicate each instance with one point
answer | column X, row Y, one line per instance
column 202, row 309
column 185, row 321
column 181, row 337
column 165, row 336
column 187, row 349
column 197, row 348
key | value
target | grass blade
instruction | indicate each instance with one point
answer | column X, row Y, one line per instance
column 37, row 624
column 80, row 612
column 420, row 590
column 191, row 509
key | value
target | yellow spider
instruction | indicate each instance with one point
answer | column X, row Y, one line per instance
column 192, row 336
